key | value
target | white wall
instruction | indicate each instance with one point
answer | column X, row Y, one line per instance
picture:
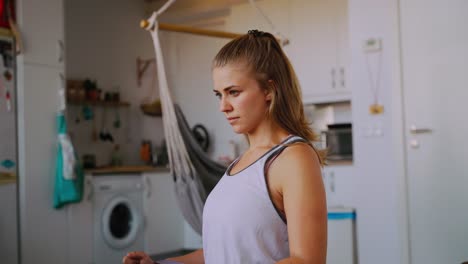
column 103, row 42
column 188, row 60
column 378, row 159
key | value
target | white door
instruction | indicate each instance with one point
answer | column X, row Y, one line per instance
column 434, row 37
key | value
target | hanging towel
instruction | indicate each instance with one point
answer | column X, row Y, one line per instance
column 68, row 157
column 69, row 175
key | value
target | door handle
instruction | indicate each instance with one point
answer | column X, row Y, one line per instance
column 333, row 78
column 415, row 130
column 61, row 51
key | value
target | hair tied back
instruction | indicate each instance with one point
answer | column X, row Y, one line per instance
column 256, row 33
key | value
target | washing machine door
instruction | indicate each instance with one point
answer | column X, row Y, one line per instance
column 121, row 221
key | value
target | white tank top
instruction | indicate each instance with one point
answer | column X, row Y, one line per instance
column 240, row 222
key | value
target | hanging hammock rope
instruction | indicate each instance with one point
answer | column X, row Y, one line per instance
column 188, row 187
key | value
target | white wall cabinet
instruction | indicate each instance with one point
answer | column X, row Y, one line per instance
column 318, row 34
column 319, row 49
column 42, row 29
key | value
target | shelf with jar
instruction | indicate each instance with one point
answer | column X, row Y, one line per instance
column 86, row 92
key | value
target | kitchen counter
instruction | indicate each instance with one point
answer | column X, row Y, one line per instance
column 126, row 169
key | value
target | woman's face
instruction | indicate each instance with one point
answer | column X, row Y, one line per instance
column 241, row 99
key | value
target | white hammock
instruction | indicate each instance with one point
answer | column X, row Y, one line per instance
column 191, row 195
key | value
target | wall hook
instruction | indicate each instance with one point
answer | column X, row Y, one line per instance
column 142, row 66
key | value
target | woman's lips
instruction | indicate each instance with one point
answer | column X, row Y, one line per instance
column 232, row 119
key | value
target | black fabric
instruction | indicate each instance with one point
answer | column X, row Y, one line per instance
column 208, row 170
column 268, row 162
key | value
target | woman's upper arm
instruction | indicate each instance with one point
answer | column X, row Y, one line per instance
column 304, row 202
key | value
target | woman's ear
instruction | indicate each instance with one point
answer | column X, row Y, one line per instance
column 271, row 89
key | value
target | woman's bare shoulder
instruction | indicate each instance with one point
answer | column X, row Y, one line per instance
column 300, row 153
column 298, row 159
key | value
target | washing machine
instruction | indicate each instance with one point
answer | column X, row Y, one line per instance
column 118, row 217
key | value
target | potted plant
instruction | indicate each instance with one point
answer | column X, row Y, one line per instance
column 91, row 90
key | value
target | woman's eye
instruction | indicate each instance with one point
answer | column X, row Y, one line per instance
column 233, row 92
column 218, row 95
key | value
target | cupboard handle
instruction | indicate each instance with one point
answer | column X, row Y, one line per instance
column 90, row 187
column 416, row 130
column 61, row 49
column 342, row 75
column 148, row 186
column 333, row 78
column 332, row 181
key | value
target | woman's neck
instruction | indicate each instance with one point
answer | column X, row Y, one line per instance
column 266, row 136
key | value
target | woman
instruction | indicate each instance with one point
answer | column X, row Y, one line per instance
column 270, row 206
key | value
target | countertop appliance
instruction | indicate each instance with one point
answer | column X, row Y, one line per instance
column 339, row 141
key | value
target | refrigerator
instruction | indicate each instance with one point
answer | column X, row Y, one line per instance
column 9, row 219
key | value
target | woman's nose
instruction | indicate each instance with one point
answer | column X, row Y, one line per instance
column 224, row 105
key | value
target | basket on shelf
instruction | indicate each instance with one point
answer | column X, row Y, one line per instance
column 152, row 109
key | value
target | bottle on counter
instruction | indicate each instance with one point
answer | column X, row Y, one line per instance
column 116, row 156
column 146, row 152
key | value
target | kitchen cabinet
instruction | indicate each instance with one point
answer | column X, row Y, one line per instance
column 340, row 185
column 42, row 28
column 164, row 223
column 80, row 233
column 319, row 49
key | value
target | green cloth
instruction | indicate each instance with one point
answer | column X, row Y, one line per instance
column 66, row 191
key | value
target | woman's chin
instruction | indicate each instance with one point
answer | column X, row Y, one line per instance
column 238, row 130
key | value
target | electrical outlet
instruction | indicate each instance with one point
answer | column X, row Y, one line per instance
column 372, row 45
